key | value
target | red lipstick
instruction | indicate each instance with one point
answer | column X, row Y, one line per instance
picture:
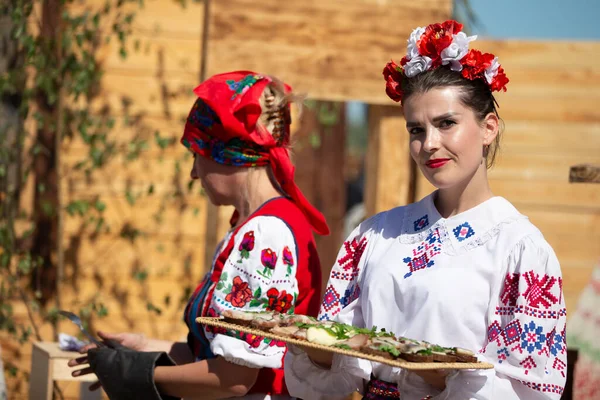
column 437, row 162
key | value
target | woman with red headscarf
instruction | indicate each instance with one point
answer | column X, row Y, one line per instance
column 238, row 131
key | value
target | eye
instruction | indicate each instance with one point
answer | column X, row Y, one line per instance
column 415, row 131
column 447, row 123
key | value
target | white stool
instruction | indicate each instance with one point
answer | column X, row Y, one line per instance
column 49, row 364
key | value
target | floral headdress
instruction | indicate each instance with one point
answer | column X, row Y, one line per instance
column 443, row 45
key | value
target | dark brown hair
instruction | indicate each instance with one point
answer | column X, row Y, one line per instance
column 475, row 94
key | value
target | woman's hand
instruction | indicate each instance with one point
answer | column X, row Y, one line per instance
column 435, row 378
column 321, row 358
column 134, row 341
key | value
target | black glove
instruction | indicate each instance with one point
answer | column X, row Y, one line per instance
column 127, row 374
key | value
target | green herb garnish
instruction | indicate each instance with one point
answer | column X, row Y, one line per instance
column 390, row 349
column 342, row 346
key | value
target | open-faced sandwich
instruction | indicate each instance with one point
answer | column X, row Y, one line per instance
column 328, row 333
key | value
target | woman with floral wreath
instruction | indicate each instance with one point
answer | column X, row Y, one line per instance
column 461, row 267
column 238, row 131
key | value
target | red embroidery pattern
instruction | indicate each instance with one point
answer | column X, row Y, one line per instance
column 494, row 332
column 560, row 285
column 559, row 365
column 539, row 290
column 531, row 312
column 354, row 251
column 280, row 302
column 331, row 300
column 240, row 293
column 528, row 364
column 510, row 294
column 544, row 387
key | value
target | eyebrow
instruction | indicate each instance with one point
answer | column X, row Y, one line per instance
column 411, row 124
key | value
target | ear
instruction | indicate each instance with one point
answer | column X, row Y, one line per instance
column 491, row 126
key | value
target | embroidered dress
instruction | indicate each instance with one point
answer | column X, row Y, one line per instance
column 485, row 280
column 267, row 263
column 583, row 334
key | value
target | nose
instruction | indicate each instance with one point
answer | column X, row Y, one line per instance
column 193, row 173
column 431, row 143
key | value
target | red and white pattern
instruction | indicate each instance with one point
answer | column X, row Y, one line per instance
column 354, row 250
column 539, row 290
column 509, row 303
column 510, row 293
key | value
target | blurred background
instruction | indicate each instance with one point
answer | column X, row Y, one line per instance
column 99, row 215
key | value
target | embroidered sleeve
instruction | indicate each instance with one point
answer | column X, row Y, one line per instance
column 260, row 275
column 340, row 303
column 526, row 335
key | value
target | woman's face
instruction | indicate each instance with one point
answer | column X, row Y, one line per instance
column 446, row 140
column 220, row 182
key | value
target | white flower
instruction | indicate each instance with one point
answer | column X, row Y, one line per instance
column 412, row 42
column 492, row 71
column 417, row 65
column 456, row 50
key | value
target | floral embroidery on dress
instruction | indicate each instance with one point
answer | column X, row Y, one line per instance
column 463, row 231
column 421, row 223
column 555, row 342
column 280, row 302
column 246, row 246
column 331, row 302
column 510, row 292
column 352, row 293
column 239, row 293
column 528, row 363
column 354, row 250
column 539, row 290
column 533, row 337
column 253, row 340
column 288, row 259
column 268, row 258
column 424, row 253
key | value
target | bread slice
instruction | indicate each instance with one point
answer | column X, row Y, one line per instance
column 238, row 317
column 464, row 355
column 265, row 321
column 293, row 319
column 416, row 357
column 356, row 342
column 385, row 346
column 285, row 331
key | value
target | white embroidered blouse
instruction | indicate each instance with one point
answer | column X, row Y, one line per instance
column 485, row 280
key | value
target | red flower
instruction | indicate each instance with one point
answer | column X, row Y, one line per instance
column 288, row 257
column 499, row 82
column 240, row 293
column 279, row 302
column 277, row 343
column 253, row 340
column 392, row 70
column 475, row 63
column 435, row 39
column 247, row 245
column 214, row 329
column 452, row 26
column 268, row 258
column 247, row 241
column 392, row 73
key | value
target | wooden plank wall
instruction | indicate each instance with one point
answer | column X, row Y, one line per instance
column 153, row 86
column 331, row 50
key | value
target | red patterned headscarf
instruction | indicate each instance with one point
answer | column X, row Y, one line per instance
column 222, row 126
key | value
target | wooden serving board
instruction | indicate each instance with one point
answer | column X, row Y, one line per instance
column 220, row 323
